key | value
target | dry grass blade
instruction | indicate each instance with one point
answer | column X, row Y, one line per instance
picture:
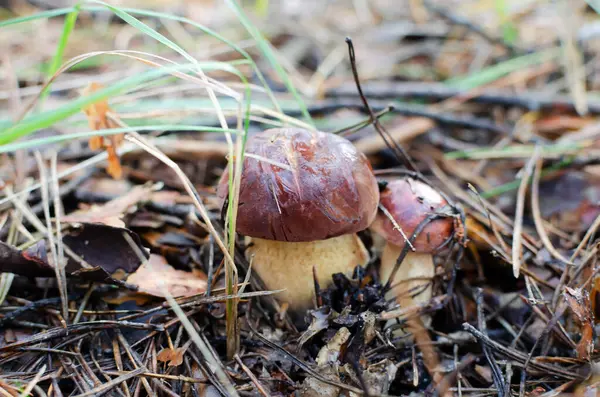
column 537, row 216
column 60, row 249
column 59, row 265
column 520, row 208
column 396, row 226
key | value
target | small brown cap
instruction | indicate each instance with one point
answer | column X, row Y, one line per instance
column 410, row 202
column 324, row 187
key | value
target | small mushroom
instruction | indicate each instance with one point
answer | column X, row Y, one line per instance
column 303, row 197
column 409, row 202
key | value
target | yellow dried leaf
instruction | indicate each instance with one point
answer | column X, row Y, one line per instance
column 177, row 282
column 98, row 120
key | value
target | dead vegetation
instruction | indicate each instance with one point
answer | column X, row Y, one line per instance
column 122, row 270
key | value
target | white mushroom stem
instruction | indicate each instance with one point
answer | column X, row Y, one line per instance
column 412, row 283
column 290, row 265
column 412, row 286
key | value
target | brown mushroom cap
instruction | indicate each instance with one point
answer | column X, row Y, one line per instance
column 409, row 202
column 327, row 189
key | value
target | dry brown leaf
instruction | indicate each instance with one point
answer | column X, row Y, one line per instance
column 177, row 282
column 97, row 119
column 111, row 212
column 173, row 357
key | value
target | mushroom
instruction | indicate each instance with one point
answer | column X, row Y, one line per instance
column 409, row 202
column 303, row 197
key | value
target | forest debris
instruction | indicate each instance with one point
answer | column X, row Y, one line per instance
column 172, row 356
column 579, row 302
column 100, row 250
column 98, row 120
column 327, row 363
column 329, row 354
column 378, row 378
column 110, row 213
column 319, row 322
column 177, row 282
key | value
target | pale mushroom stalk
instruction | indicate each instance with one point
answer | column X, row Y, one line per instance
column 335, row 255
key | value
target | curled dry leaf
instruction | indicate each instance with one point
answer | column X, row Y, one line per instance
column 178, row 282
column 319, row 322
column 98, row 120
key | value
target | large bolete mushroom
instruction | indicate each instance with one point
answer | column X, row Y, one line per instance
column 303, row 197
column 409, row 202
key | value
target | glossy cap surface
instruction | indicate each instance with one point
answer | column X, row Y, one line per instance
column 409, row 202
column 313, row 186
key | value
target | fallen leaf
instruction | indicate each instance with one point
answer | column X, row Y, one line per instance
column 178, row 282
column 110, row 213
column 173, row 357
column 102, row 248
column 98, row 120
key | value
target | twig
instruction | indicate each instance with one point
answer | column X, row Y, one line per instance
column 496, row 372
column 394, row 146
column 252, row 377
column 33, row 382
column 519, row 357
column 85, row 327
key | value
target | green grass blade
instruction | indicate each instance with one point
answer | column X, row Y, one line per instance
column 40, row 15
column 35, row 143
column 57, row 60
column 147, row 30
column 509, row 31
column 502, row 69
column 269, row 54
column 514, row 185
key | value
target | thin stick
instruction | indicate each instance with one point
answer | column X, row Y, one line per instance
column 252, row 377
column 394, row 146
